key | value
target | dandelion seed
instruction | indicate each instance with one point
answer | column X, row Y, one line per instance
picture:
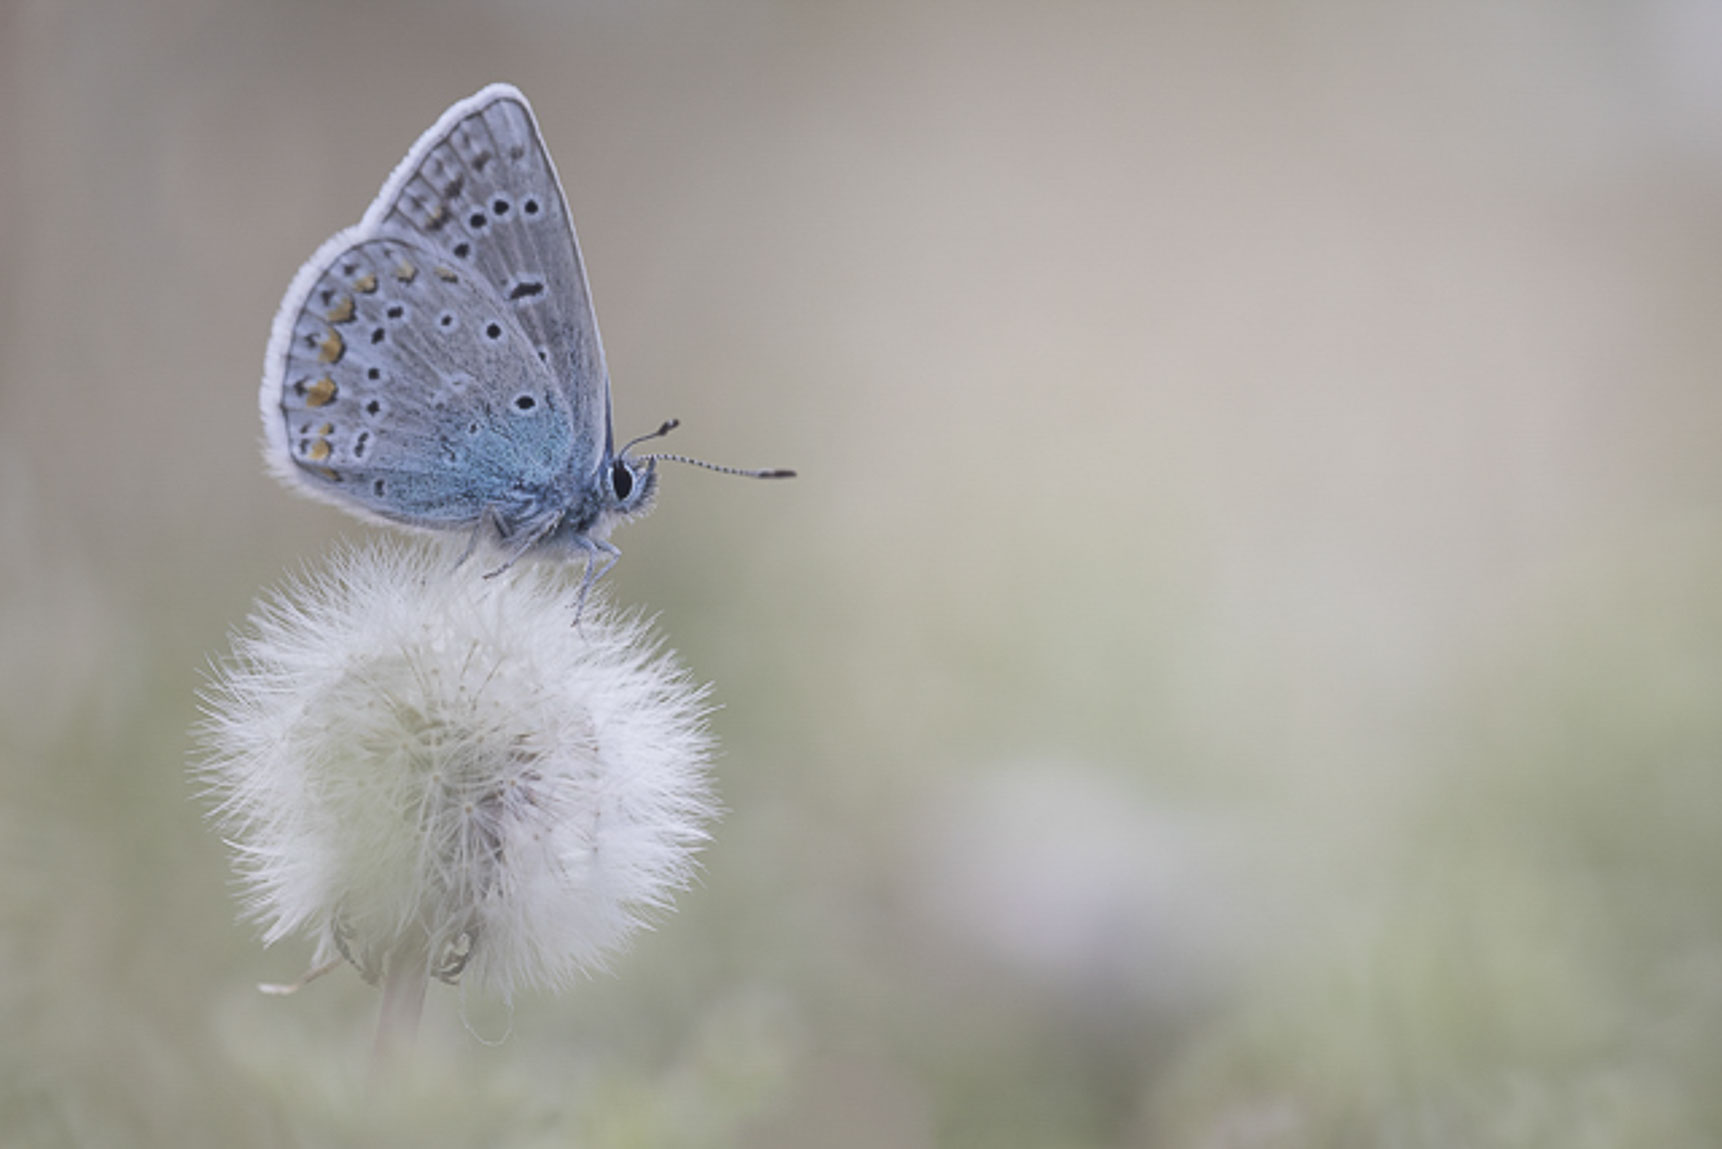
column 433, row 772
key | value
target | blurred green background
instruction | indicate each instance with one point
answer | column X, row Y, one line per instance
column 1242, row 665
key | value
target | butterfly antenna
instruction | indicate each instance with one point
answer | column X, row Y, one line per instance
column 664, row 428
column 775, row 473
column 669, row 425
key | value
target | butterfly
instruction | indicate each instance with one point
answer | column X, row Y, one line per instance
column 438, row 365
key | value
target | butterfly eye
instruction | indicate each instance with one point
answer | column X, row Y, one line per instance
column 621, row 480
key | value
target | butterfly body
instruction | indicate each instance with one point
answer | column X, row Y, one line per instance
column 438, row 365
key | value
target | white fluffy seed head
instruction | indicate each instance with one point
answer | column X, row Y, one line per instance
column 399, row 745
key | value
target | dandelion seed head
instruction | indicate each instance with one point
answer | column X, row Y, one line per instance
column 397, row 744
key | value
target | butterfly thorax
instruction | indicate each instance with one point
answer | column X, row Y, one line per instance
column 622, row 490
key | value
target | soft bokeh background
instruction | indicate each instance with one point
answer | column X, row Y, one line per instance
column 1242, row 665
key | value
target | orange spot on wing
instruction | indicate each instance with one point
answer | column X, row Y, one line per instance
column 406, row 272
column 332, row 348
column 342, row 312
column 321, row 393
column 366, row 283
column 319, row 451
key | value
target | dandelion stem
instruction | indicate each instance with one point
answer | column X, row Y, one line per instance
column 404, row 980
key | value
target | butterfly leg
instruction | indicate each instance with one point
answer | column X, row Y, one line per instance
column 488, row 520
column 533, row 538
column 600, row 557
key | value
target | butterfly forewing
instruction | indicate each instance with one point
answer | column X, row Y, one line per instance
column 479, row 189
column 411, row 390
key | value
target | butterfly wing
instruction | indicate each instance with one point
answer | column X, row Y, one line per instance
column 477, row 212
column 480, row 188
column 407, row 390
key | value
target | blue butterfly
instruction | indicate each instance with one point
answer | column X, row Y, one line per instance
column 438, row 366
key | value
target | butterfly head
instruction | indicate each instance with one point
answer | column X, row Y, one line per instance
column 630, row 484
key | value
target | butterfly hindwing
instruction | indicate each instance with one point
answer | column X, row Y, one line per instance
column 408, row 389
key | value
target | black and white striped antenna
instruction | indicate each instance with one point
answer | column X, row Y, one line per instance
column 670, row 425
